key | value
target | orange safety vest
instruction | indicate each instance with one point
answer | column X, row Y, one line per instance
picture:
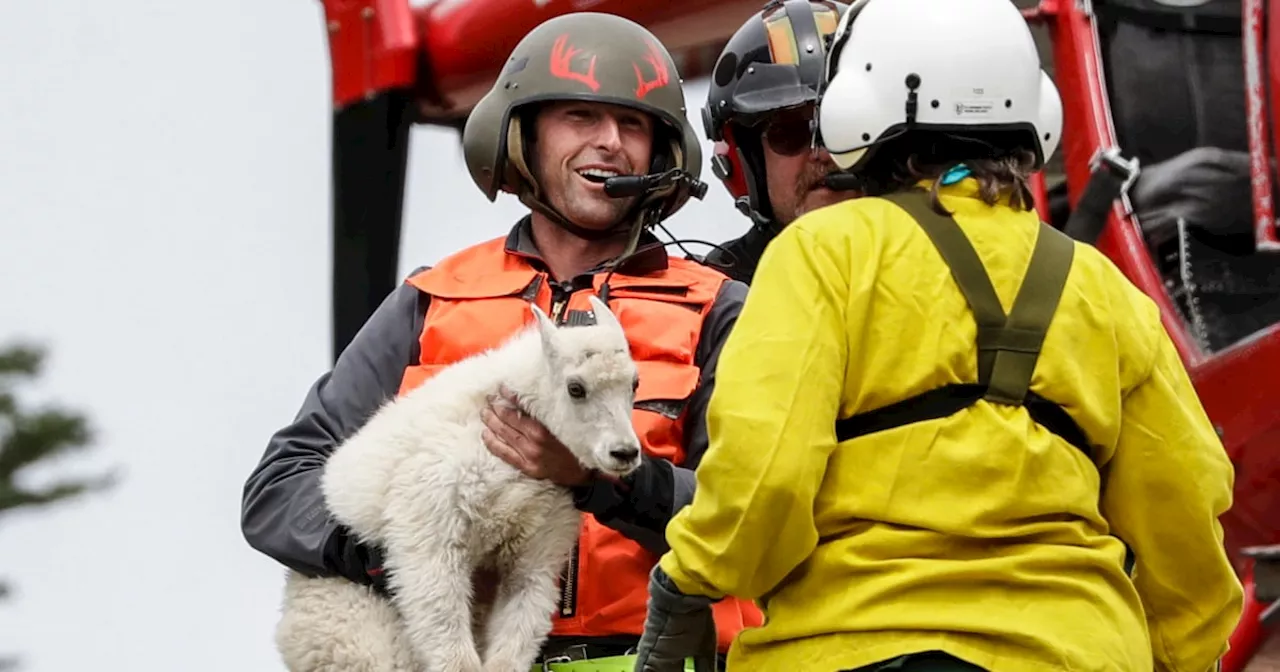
column 480, row 297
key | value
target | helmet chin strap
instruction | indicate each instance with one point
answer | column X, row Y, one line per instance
column 769, row 226
column 837, row 181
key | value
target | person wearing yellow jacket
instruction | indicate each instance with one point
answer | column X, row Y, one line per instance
column 944, row 435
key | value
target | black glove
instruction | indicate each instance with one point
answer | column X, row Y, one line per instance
column 677, row 627
column 358, row 562
column 374, row 568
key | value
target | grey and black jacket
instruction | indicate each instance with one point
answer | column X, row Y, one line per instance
column 739, row 257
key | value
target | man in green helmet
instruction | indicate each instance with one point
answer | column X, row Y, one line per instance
column 586, row 125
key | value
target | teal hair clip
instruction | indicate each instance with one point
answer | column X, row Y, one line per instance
column 954, row 175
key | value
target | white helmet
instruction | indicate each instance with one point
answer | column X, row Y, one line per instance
column 967, row 67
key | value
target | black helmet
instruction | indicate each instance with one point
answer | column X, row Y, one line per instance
column 775, row 61
column 582, row 56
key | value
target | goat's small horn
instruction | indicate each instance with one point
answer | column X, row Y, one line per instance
column 602, row 312
column 545, row 325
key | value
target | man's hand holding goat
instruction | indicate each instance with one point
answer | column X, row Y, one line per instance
column 526, row 444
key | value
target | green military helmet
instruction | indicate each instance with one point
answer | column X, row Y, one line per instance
column 585, row 56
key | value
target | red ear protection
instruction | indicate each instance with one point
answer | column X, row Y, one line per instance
column 726, row 164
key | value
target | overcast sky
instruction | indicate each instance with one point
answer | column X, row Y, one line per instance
column 164, row 204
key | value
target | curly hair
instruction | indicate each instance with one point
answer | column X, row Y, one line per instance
column 1002, row 170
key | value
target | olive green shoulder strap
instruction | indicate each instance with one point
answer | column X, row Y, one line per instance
column 1008, row 346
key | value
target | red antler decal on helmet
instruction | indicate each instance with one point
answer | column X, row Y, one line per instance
column 562, row 57
column 660, row 75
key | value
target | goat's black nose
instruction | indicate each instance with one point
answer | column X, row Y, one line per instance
column 624, row 453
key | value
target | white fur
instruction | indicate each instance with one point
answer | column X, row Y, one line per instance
column 418, row 481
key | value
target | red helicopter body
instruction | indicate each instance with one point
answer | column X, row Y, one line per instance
column 394, row 65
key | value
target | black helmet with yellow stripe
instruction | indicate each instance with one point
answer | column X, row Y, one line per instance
column 774, row 62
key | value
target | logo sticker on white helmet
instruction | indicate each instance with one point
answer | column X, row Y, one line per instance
column 973, row 108
column 971, row 102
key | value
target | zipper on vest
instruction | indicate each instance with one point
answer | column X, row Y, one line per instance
column 560, row 294
column 569, row 586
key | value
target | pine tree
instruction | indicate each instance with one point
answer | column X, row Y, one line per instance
column 29, row 437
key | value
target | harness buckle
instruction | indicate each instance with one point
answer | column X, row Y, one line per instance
column 566, row 656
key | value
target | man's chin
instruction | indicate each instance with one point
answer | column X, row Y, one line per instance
column 594, row 220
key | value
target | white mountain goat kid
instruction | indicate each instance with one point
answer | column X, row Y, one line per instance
column 418, row 481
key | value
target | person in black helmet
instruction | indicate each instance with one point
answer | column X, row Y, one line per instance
column 760, row 115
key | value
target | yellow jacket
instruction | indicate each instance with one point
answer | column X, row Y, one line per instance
column 981, row 534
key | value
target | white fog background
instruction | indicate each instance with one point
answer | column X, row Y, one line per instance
column 164, row 204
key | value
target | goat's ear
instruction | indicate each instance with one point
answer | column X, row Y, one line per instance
column 604, row 316
column 545, row 327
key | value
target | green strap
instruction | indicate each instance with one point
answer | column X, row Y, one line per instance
column 1008, row 346
column 967, row 269
column 1033, row 309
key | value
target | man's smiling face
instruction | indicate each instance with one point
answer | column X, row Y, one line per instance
column 578, row 146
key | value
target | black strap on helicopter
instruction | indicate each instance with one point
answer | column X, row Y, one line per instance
column 1110, row 176
column 1008, row 345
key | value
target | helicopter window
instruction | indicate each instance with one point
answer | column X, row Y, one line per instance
column 1176, row 87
